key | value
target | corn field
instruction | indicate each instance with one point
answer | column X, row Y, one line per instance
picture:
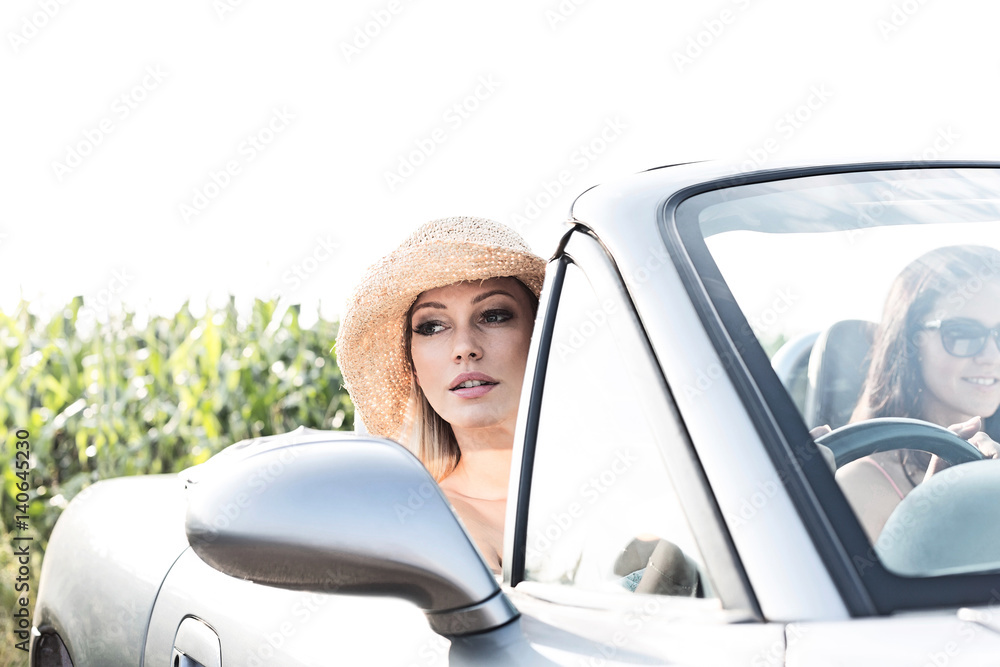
column 130, row 397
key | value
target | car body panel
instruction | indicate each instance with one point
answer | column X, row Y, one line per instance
column 99, row 583
column 259, row 625
column 967, row 637
column 640, row 629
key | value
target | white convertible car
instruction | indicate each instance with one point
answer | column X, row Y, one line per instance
column 667, row 504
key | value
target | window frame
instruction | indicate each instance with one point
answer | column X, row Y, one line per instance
column 866, row 586
column 583, row 249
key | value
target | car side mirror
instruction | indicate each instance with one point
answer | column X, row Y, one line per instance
column 332, row 512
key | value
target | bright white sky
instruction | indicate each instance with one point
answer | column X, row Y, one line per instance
column 199, row 78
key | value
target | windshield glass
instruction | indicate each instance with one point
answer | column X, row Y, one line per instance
column 876, row 296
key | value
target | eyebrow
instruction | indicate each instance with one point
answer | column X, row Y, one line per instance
column 481, row 297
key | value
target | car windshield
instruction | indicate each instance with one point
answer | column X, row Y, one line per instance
column 876, row 296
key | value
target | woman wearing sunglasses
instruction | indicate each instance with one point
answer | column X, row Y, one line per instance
column 935, row 357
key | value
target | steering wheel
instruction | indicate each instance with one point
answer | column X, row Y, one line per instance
column 854, row 441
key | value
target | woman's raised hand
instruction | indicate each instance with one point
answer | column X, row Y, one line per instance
column 971, row 430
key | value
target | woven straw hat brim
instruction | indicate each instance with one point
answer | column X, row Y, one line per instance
column 370, row 347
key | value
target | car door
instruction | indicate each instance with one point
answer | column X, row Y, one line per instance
column 607, row 477
column 212, row 619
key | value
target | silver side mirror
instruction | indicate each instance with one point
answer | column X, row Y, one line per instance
column 332, row 512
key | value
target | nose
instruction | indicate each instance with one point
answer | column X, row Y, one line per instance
column 467, row 344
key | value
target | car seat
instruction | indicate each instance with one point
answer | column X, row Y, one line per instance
column 791, row 364
column 838, row 365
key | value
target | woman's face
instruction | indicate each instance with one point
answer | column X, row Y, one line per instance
column 469, row 344
column 958, row 388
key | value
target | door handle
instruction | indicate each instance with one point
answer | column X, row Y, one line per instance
column 181, row 660
column 196, row 645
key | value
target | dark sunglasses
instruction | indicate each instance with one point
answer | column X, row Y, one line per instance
column 962, row 337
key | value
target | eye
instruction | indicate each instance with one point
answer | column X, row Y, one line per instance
column 961, row 329
column 497, row 316
column 428, row 328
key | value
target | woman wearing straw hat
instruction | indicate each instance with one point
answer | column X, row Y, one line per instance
column 433, row 348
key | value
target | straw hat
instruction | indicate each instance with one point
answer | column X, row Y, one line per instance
column 371, row 346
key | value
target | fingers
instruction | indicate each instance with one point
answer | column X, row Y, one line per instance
column 986, row 445
column 935, row 465
column 967, row 429
column 819, row 431
column 972, row 430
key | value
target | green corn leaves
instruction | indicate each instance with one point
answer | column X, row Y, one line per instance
column 131, row 397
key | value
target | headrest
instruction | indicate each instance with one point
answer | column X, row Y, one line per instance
column 838, row 365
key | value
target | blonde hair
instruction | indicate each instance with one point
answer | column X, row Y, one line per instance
column 429, row 436
column 425, row 432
